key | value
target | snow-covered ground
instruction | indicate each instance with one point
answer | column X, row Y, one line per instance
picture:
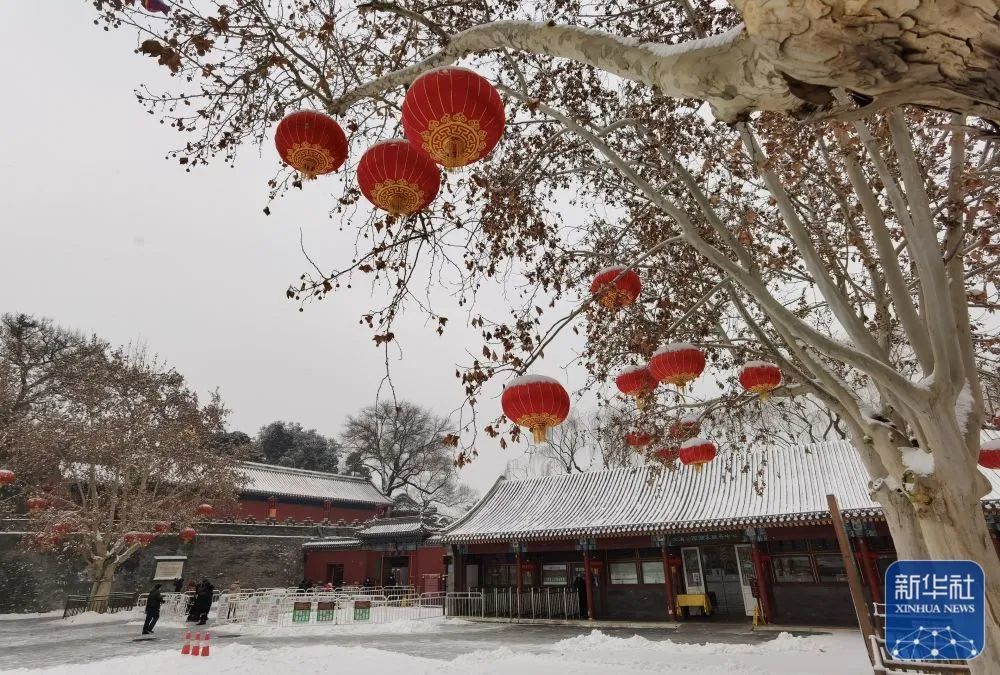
column 435, row 646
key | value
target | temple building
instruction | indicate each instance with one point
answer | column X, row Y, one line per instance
column 744, row 534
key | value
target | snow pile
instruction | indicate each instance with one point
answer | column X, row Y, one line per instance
column 918, row 461
column 697, row 441
column 94, row 618
column 628, row 370
column 757, row 364
column 404, row 627
column 614, row 269
column 712, row 42
column 54, row 614
column 598, row 641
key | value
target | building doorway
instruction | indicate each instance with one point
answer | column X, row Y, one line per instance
column 726, row 580
column 335, row 574
column 396, row 571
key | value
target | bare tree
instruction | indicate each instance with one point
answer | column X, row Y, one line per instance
column 404, row 447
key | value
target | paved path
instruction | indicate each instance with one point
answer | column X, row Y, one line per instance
column 39, row 642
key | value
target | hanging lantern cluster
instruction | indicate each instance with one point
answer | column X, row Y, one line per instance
column 397, row 177
column 131, row 538
column 667, row 456
column 187, row 535
column 536, row 402
column 146, row 538
column 36, row 504
column 311, row 143
column 6, row 477
column 760, row 377
column 454, row 115
column 205, row 510
column 615, row 287
column 989, row 455
column 677, row 364
column 638, row 383
column 697, row 452
column 638, row 440
column 684, row 429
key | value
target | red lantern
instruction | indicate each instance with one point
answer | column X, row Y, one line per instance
column 62, row 527
column 760, row 377
column 697, row 452
column 684, row 429
column 989, row 455
column 638, row 440
column 397, row 177
column 161, row 527
column 6, row 477
column 146, row 538
column 36, row 504
column 616, row 287
column 454, row 115
column 132, row 537
column 188, row 534
column 311, row 143
column 536, row 402
column 637, row 382
column 205, row 510
column 677, row 364
column 667, row 455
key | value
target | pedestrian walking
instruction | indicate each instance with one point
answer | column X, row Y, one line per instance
column 581, row 591
column 153, row 602
column 204, row 601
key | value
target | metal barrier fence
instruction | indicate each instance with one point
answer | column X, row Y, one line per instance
column 104, row 604
column 531, row 603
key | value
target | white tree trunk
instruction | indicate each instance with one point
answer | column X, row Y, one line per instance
column 102, row 572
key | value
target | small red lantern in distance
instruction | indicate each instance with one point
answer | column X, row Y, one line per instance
column 311, row 142
column 62, row 527
column 188, row 534
column 536, row 402
column 161, row 527
column 205, row 510
column 989, row 455
column 615, row 287
column 638, row 440
column 685, row 428
column 6, row 477
column 36, row 504
column 760, row 377
column 397, row 177
column 146, row 538
column 697, row 452
column 638, row 383
column 131, row 537
column 454, row 115
column 667, row 455
column 677, row 364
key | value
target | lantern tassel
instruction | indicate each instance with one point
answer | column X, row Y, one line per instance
column 539, row 434
column 698, row 466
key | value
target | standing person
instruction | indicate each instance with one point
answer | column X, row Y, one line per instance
column 391, row 581
column 178, row 585
column 204, row 601
column 234, row 587
column 192, row 601
column 581, row 591
column 153, row 602
column 305, row 585
column 368, row 583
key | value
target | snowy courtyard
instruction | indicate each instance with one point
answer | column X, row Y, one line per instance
column 108, row 644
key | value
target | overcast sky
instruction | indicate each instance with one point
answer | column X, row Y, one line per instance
column 101, row 233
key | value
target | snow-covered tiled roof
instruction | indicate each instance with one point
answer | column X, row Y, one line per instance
column 634, row 501
column 333, row 543
column 268, row 479
column 391, row 527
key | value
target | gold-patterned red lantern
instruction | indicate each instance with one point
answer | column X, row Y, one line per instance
column 697, row 452
column 989, row 455
column 397, row 177
column 638, row 440
column 6, row 477
column 536, row 402
column 760, row 377
column 188, row 534
column 311, row 143
column 616, row 287
column 205, row 510
column 36, row 504
column 161, row 527
column 677, row 364
column 685, row 429
column 454, row 115
column 638, row 383
column 667, row 456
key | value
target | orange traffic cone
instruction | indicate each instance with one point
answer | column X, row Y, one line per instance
column 204, row 648
column 196, row 650
column 186, row 649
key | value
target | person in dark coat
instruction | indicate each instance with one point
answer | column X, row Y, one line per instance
column 204, row 600
column 153, row 602
column 581, row 591
column 178, row 585
column 391, row 581
column 192, row 601
column 305, row 585
column 368, row 582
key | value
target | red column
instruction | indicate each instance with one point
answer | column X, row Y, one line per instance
column 869, row 569
column 457, row 568
column 520, row 581
column 586, row 578
column 762, row 587
column 415, row 572
column 668, row 580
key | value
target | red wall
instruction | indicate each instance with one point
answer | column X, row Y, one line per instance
column 359, row 564
column 258, row 509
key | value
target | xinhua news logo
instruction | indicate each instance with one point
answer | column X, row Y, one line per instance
column 935, row 610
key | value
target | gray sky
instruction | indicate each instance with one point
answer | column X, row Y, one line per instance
column 101, row 233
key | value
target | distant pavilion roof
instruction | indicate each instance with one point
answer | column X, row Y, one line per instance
column 283, row 481
column 634, row 501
